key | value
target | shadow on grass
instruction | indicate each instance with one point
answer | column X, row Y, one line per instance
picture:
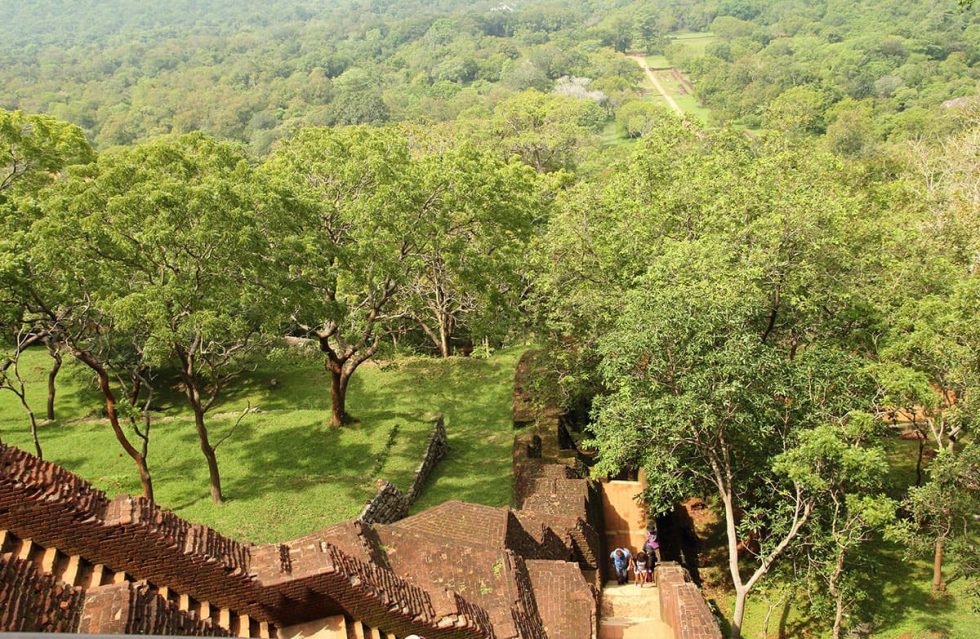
column 301, row 454
column 901, row 589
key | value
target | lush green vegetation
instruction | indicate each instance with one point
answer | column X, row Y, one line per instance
column 875, row 67
column 746, row 312
column 254, row 71
column 902, row 604
column 286, row 471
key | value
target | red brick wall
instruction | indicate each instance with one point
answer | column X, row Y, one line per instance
column 566, row 602
column 41, row 501
column 683, row 606
column 32, row 601
column 390, row 504
column 129, row 608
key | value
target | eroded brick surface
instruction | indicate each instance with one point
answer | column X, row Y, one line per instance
column 278, row 583
column 31, row 601
column 682, row 604
column 129, row 608
column 566, row 602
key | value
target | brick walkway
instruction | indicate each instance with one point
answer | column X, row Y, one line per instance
column 631, row 612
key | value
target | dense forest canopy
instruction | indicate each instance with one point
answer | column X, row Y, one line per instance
column 252, row 71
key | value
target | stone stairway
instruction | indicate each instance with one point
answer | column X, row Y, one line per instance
column 336, row 627
column 631, row 612
column 76, row 572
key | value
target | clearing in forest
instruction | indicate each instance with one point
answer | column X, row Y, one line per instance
column 671, row 84
column 674, row 88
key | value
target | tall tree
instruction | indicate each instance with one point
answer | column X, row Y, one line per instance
column 12, row 380
column 547, row 131
column 170, row 237
column 35, row 151
column 468, row 274
column 378, row 236
column 357, row 219
column 843, row 464
column 943, row 511
column 720, row 286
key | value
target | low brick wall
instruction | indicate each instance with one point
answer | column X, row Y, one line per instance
column 390, row 504
column 682, row 605
column 387, row 506
column 31, row 601
column 437, row 448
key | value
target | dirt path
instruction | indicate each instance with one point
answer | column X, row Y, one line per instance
column 640, row 60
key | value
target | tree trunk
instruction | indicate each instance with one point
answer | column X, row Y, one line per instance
column 765, row 621
column 209, row 455
column 338, row 398
column 52, row 376
column 146, row 482
column 918, row 462
column 839, row 616
column 741, row 592
column 739, row 613
column 110, row 406
column 444, row 345
column 441, row 339
column 30, row 413
column 838, row 594
column 208, row 450
column 193, row 393
column 342, row 367
column 937, row 568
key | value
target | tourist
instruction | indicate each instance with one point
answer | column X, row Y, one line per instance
column 641, row 569
column 652, row 549
column 622, row 558
column 651, row 546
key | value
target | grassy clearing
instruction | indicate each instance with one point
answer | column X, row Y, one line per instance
column 694, row 42
column 285, row 472
column 901, row 601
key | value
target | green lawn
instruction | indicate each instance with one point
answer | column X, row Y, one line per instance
column 687, row 101
column 695, row 42
column 658, row 61
column 285, row 472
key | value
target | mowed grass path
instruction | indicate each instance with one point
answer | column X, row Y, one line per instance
column 285, row 472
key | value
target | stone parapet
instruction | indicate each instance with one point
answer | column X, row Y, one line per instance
column 390, row 504
column 682, row 604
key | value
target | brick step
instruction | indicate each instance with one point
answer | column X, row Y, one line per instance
column 75, row 571
column 630, row 601
column 71, row 570
column 634, row 628
column 335, row 627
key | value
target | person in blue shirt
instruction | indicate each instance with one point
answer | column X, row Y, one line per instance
column 621, row 564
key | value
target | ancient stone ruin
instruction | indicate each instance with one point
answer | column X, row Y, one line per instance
column 74, row 560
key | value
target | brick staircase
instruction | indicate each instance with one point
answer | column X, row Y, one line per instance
column 631, row 612
column 335, row 627
column 75, row 572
